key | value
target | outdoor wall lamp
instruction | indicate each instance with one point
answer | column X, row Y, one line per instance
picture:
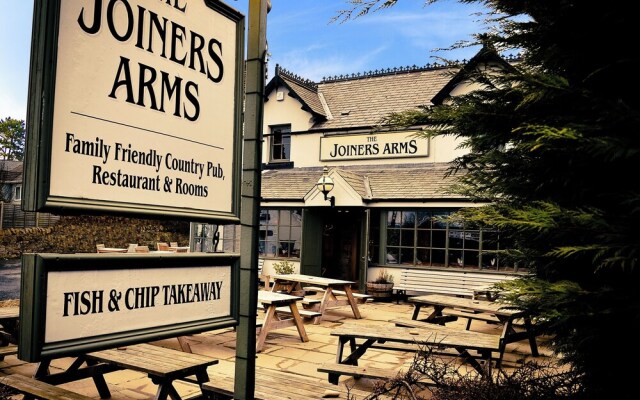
column 325, row 185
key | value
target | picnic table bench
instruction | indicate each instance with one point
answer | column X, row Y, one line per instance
column 281, row 311
column 162, row 365
column 8, row 350
column 271, row 384
column 9, row 324
column 331, row 289
column 478, row 309
column 421, row 334
column 33, row 388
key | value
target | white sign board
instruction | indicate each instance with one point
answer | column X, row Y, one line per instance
column 146, row 106
column 374, row 146
column 82, row 304
column 74, row 303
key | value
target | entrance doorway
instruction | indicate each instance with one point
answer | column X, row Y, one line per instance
column 340, row 244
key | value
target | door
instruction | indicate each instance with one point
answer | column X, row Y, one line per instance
column 311, row 256
column 341, row 244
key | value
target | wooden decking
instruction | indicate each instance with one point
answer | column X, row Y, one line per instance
column 286, row 356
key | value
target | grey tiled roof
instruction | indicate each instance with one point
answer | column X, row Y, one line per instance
column 363, row 102
column 308, row 95
column 426, row 182
column 386, row 182
column 11, row 171
column 357, row 180
column 288, row 184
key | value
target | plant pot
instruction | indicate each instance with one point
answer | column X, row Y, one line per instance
column 380, row 290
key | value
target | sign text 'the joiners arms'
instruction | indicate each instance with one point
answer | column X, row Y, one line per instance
column 145, row 104
column 176, row 43
column 373, row 146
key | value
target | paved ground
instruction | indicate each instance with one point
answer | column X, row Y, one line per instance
column 283, row 351
column 9, row 279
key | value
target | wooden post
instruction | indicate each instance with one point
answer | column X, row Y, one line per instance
column 244, row 384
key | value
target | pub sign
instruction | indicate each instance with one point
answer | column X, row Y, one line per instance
column 135, row 108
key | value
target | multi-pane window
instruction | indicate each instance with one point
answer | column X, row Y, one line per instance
column 281, row 143
column 210, row 238
column 423, row 238
column 280, row 232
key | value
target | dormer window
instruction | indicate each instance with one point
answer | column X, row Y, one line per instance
column 280, row 143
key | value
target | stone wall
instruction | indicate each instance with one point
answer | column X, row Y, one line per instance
column 80, row 234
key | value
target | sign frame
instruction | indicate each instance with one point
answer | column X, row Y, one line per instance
column 38, row 166
column 36, row 269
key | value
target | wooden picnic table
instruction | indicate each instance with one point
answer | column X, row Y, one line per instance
column 179, row 249
column 384, row 337
column 9, row 322
column 332, row 288
column 446, row 306
column 276, row 317
column 163, row 366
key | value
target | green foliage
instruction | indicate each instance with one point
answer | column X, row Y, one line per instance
column 5, row 392
column 283, row 267
column 12, row 137
column 551, row 142
column 542, row 380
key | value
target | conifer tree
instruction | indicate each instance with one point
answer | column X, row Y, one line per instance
column 554, row 143
column 12, row 134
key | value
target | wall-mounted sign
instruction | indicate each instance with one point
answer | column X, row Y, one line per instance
column 76, row 303
column 135, row 107
column 373, row 146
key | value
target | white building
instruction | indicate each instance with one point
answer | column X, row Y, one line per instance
column 389, row 186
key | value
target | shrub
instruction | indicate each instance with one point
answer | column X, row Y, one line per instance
column 529, row 381
column 383, row 277
column 283, row 267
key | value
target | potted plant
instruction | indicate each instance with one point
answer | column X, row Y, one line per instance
column 283, row 267
column 382, row 286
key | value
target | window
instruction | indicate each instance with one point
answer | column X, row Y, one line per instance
column 422, row 238
column 17, row 193
column 280, row 233
column 281, row 143
column 209, row 238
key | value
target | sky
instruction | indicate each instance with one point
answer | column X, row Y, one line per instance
column 301, row 38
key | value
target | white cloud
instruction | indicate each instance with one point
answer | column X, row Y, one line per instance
column 311, row 64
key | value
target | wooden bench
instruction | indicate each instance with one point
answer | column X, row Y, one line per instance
column 287, row 311
column 33, row 388
column 303, row 313
column 271, row 384
column 308, row 302
column 359, row 297
column 358, row 372
column 480, row 316
column 8, row 351
column 454, row 282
